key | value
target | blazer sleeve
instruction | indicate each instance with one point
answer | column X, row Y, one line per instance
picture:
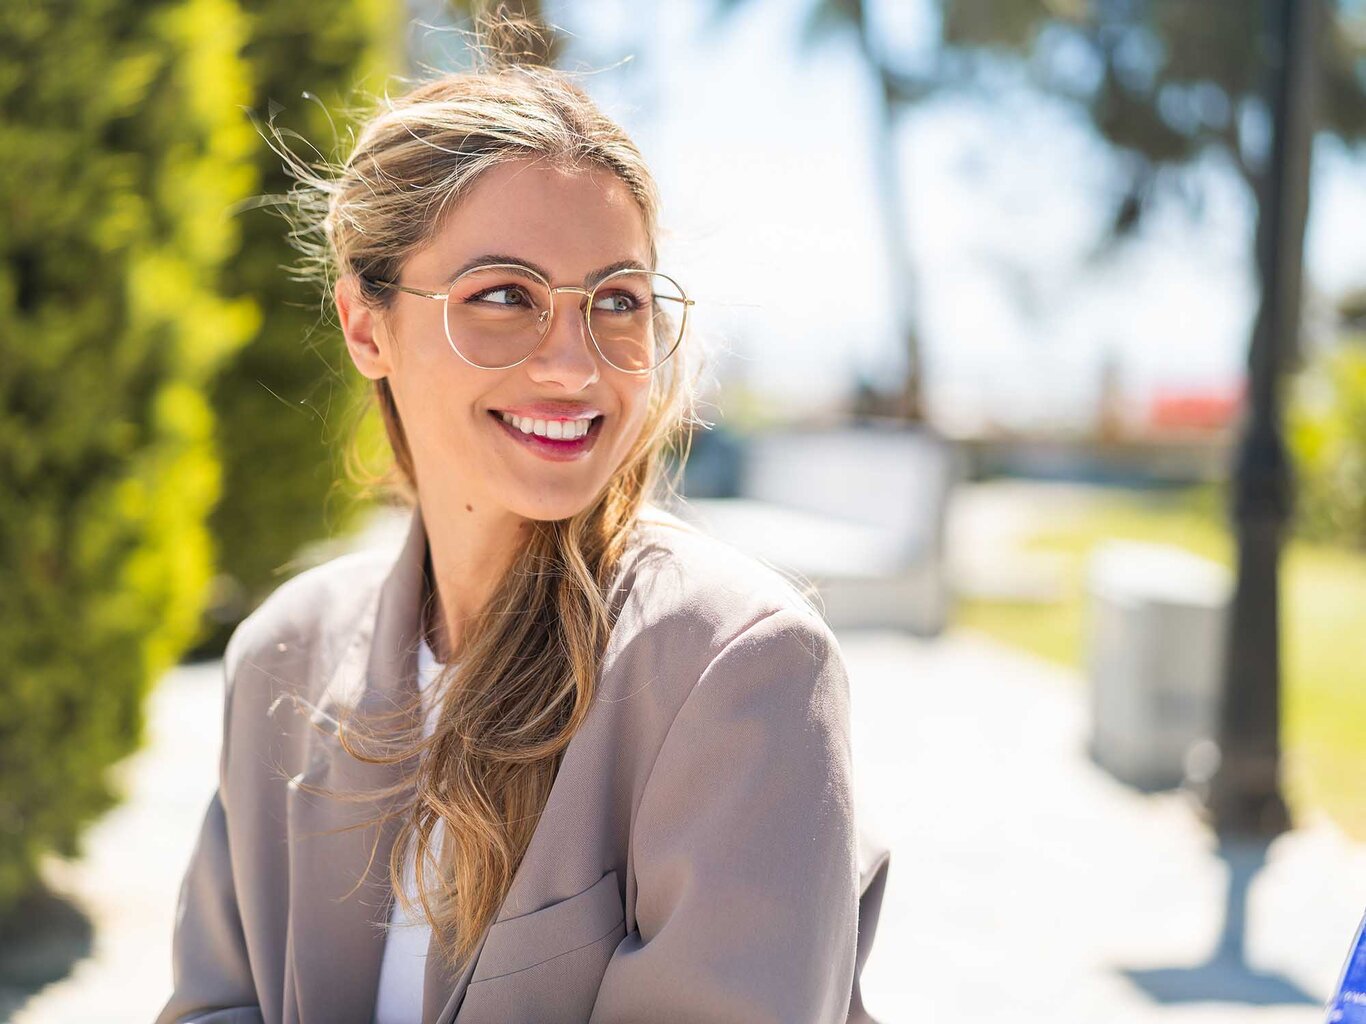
column 745, row 848
column 210, row 968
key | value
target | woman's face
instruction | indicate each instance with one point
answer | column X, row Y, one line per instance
column 571, row 224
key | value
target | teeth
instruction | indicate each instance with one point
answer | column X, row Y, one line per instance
column 556, row 430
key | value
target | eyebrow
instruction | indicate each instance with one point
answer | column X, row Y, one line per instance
column 589, row 281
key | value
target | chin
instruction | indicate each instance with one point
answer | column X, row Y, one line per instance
column 547, row 510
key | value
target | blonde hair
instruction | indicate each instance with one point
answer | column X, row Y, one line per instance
column 529, row 662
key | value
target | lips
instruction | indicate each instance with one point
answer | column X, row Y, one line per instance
column 548, row 448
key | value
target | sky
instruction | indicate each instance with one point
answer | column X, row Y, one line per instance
column 763, row 152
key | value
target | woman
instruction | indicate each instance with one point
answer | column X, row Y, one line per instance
column 601, row 759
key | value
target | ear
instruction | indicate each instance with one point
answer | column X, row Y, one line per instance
column 366, row 340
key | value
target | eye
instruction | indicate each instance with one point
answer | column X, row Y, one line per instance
column 620, row 302
column 504, row 295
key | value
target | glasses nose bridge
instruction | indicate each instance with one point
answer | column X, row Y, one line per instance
column 549, row 311
column 585, row 292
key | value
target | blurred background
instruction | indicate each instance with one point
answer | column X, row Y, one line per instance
column 1037, row 337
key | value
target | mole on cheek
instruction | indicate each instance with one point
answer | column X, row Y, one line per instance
column 469, row 508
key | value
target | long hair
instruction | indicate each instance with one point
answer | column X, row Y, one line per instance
column 525, row 678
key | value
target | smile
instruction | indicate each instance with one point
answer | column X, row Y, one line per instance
column 552, row 449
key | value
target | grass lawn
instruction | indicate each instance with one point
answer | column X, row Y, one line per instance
column 1323, row 634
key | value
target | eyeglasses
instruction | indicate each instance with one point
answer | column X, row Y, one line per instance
column 498, row 314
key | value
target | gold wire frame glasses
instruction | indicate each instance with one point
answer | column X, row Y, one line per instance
column 497, row 315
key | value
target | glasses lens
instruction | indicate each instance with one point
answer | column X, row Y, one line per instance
column 637, row 319
column 494, row 315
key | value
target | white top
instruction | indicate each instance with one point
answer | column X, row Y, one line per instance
column 405, row 948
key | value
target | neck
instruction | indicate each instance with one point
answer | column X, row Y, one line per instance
column 468, row 552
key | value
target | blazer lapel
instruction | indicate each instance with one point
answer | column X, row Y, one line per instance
column 337, row 940
column 443, row 991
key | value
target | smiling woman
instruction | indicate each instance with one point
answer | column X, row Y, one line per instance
column 579, row 760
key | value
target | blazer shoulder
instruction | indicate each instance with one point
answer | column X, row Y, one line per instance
column 308, row 613
column 685, row 583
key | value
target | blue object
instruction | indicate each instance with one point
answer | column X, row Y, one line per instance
column 1349, row 1002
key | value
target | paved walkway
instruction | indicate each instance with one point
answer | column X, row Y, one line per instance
column 1027, row 885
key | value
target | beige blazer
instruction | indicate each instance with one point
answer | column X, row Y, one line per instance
column 698, row 859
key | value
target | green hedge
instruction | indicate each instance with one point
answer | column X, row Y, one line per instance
column 283, row 404
column 124, row 145
column 1326, row 430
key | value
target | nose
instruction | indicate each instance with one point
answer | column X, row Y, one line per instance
column 566, row 355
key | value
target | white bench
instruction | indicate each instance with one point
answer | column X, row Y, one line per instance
column 858, row 511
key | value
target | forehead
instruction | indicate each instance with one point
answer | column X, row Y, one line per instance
column 570, row 221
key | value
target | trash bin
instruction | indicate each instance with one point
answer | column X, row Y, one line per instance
column 1155, row 646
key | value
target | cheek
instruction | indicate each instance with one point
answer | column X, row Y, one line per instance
column 443, row 408
column 636, row 406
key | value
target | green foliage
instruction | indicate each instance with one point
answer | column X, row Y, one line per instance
column 1326, row 433
column 1165, row 80
column 124, row 147
column 283, row 403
